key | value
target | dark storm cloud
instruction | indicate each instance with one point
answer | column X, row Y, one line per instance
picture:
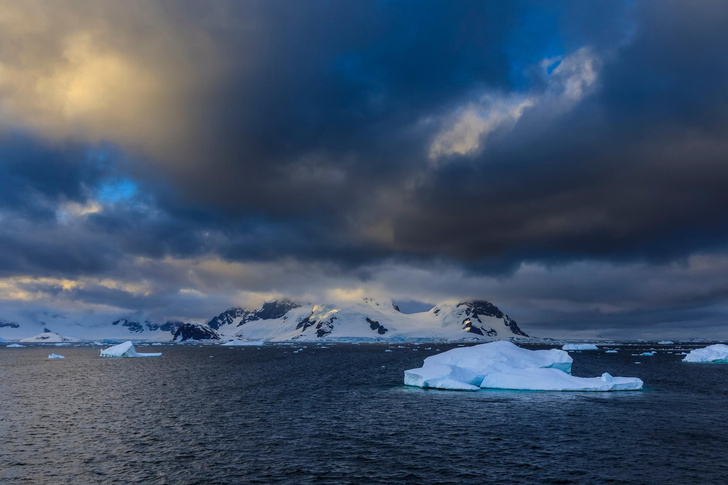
column 636, row 171
column 352, row 135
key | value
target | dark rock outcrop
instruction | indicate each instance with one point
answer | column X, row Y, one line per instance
column 195, row 331
column 375, row 325
column 473, row 310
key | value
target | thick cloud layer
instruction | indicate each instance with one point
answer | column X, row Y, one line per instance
column 324, row 142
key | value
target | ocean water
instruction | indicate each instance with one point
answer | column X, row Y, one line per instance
column 340, row 414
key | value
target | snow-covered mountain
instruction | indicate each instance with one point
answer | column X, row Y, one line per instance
column 48, row 337
column 285, row 320
column 367, row 319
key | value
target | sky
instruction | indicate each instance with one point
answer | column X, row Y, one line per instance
column 566, row 160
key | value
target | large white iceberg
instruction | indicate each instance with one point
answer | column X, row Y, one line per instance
column 504, row 365
column 579, row 347
column 125, row 349
column 716, row 354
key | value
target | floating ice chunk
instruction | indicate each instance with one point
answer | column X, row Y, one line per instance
column 469, row 365
column 556, row 380
column 610, row 352
column 579, row 347
column 15, row 346
column 504, row 365
column 56, row 356
column 666, row 342
column 648, row 354
column 717, row 354
column 125, row 349
column 242, row 343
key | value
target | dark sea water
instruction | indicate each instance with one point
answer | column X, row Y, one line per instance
column 340, row 414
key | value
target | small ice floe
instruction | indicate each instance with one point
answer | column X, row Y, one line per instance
column 504, row 365
column 56, row 356
column 610, row 352
column 125, row 349
column 638, row 362
column 648, row 354
column 579, row 347
column 714, row 354
column 15, row 346
column 386, row 350
column 242, row 343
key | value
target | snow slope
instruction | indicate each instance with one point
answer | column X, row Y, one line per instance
column 48, row 338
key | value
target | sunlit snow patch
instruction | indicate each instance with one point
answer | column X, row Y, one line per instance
column 579, row 347
column 504, row 365
column 125, row 349
column 716, row 354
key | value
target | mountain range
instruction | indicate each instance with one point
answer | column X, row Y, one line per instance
column 367, row 319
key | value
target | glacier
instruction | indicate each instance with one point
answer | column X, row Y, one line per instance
column 579, row 347
column 715, row 354
column 125, row 349
column 242, row 343
column 504, row 365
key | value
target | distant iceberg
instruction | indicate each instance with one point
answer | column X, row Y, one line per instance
column 666, row 342
column 243, row 343
column 504, row 365
column 15, row 346
column 579, row 347
column 56, row 356
column 716, row 354
column 125, row 349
